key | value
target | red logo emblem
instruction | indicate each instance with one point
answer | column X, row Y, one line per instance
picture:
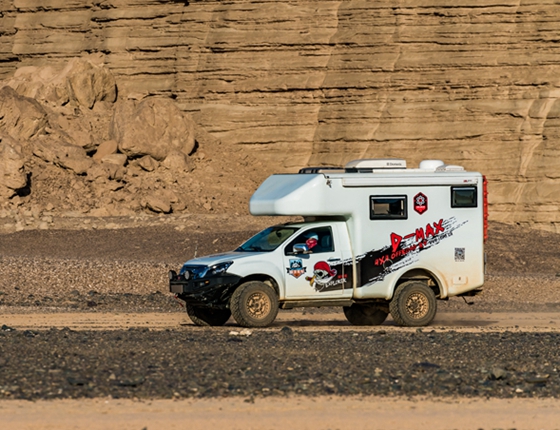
column 420, row 203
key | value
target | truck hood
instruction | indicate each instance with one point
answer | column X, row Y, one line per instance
column 210, row 260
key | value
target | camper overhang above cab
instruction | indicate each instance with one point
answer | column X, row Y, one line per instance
column 318, row 191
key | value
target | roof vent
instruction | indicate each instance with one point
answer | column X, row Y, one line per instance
column 450, row 168
column 430, row 164
column 368, row 165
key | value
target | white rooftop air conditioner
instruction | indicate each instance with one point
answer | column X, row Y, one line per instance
column 430, row 165
column 366, row 165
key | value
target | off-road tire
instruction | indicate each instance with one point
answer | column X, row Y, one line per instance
column 414, row 304
column 207, row 316
column 254, row 304
column 371, row 314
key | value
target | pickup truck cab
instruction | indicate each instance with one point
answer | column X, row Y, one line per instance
column 376, row 239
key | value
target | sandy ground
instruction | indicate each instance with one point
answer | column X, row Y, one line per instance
column 280, row 413
column 297, row 320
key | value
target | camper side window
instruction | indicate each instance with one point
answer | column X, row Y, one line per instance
column 387, row 207
column 463, row 197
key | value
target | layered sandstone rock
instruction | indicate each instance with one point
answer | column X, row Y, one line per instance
column 475, row 83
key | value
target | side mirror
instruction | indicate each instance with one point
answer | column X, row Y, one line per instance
column 300, row 248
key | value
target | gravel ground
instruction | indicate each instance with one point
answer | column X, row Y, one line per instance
column 214, row 363
column 126, row 269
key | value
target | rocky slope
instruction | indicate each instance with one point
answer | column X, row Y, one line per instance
column 71, row 147
column 323, row 82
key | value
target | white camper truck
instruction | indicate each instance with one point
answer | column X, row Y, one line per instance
column 377, row 238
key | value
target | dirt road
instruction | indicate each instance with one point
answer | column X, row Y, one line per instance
column 353, row 413
column 301, row 320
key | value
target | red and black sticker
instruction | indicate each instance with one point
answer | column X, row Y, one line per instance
column 420, row 203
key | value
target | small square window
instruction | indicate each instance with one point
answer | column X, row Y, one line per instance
column 463, row 197
column 387, row 207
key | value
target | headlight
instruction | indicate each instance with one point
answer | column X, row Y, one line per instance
column 199, row 271
column 219, row 268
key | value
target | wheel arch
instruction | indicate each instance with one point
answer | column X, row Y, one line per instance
column 426, row 276
column 262, row 277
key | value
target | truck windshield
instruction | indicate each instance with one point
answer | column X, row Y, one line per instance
column 268, row 240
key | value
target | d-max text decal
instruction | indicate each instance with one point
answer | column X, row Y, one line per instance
column 404, row 250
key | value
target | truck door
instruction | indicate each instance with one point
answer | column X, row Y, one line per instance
column 313, row 265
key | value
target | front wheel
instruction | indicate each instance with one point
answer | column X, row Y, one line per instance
column 207, row 316
column 365, row 314
column 413, row 305
column 254, row 304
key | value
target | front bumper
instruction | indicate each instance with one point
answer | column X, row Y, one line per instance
column 210, row 291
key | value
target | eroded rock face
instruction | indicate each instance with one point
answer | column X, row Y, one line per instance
column 473, row 84
column 12, row 173
column 20, row 117
column 154, row 127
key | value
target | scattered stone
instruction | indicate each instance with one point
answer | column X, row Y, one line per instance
column 147, row 163
column 118, row 159
column 498, row 373
column 177, row 161
column 62, row 154
column 158, row 204
column 106, row 148
column 132, row 382
column 537, row 379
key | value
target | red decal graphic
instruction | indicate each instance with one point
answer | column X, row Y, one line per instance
column 420, row 203
column 429, row 231
column 401, row 246
column 395, row 241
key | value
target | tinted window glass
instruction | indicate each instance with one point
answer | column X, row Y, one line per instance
column 317, row 240
column 387, row 207
column 268, row 240
column 463, row 197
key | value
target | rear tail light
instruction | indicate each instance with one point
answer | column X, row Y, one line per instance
column 485, row 206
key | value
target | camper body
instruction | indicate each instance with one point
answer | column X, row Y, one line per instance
column 377, row 238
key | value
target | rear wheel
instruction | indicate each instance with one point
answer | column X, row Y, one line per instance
column 208, row 316
column 365, row 314
column 254, row 304
column 413, row 305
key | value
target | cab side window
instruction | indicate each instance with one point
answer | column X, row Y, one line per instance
column 317, row 240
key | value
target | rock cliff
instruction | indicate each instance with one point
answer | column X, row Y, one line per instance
column 294, row 83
